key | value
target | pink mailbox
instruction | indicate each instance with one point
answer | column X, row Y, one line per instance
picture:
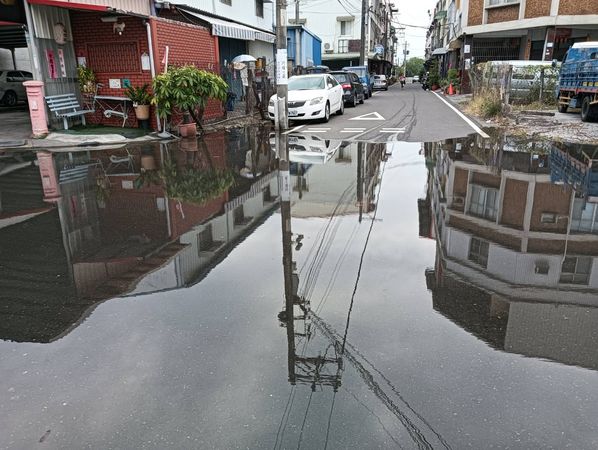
column 37, row 108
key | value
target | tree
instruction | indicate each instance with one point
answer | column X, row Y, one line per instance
column 414, row 66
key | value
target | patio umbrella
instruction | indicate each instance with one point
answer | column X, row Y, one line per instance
column 243, row 58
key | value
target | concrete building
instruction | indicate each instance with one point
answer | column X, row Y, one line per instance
column 339, row 27
column 466, row 32
column 304, row 48
column 503, row 223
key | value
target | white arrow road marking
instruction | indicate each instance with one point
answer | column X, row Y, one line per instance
column 369, row 116
column 294, row 129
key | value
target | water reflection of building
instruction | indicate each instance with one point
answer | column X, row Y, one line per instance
column 512, row 267
column 502, row 220
column 109, row 228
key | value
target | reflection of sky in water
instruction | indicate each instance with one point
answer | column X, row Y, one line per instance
column 206, row 366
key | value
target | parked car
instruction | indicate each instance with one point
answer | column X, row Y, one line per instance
column 353, row 91
column 578, row 80
column 12, row 90
column 415, row 79
column 308, row 148
column 316, row 69
column 312, row 97
column 380, row 82
column 364, row 76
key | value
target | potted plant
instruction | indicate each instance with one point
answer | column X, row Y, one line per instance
column 434, row 77
column 141, row 99
column 188, row 89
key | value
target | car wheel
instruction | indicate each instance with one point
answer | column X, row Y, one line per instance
column 362, row 99
column 341, row 110
column 10, row 98
column 354, row 103
column 588, row 111
column 326, row 113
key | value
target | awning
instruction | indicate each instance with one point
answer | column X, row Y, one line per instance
column 224, row 28
column 440, row 51
column 70, row 5
column 12, row 36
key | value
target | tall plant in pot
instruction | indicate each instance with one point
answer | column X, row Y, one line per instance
column 188, row 89
column 141, row 99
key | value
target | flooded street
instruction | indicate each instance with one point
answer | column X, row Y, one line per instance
column 404, row 295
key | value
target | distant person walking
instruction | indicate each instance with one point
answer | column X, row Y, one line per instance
column 402, row 80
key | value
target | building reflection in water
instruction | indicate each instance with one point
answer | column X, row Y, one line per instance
column 99, row 223
column 517, row 253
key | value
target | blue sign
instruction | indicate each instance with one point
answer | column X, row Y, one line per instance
column 379, row 49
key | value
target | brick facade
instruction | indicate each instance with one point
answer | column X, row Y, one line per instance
column 188, row 44
column 513, row 205
column 503, row 14
column 537, row 8
column 578, row 7
column 111, row 56
column 476, row 12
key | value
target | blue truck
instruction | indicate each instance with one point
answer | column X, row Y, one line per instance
column 578, row 80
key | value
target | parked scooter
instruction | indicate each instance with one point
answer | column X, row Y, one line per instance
column 425, row 83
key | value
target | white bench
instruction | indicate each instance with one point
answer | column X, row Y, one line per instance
column 66, row 106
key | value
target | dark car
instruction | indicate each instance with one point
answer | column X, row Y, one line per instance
column 353, row 91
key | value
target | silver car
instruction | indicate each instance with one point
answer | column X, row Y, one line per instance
column 12, row 90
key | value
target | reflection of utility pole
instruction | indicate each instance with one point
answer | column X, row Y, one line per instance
column 281, row 66
column 360, row 146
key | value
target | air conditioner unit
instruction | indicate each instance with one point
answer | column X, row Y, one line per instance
column 541, row 267
column 548, row 217
column 328, row 47
column 458, row 201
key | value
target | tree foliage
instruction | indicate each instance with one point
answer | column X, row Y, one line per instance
column 414, row 66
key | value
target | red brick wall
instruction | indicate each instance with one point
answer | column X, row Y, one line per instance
column 476, row 12
column 503, row 14
column 188, row 44
column 88, row 32
column 537, row 8
column 578, row 7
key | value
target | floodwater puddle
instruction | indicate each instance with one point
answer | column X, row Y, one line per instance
column 224, row 292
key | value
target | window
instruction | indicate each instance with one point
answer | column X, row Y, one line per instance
column 585, row 217
column 576, row 270
column 500, row 2
column 226, row 2
column 478, row 252
column 483, row 202
column 343, row 46
column 259, row 8
column 346, row 27
column 332, row 81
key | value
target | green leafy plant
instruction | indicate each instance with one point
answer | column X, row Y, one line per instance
column 434, row 77
column 187, row 88
column 147, row 178
column 194, row 186
column 87, row 79
column 139, row 95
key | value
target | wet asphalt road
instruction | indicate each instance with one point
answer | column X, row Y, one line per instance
column 408, row 114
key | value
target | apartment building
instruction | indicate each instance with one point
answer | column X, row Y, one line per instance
column 466, row 32
column 338, row 25
column 504, row 223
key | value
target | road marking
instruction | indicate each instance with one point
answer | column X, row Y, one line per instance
column 392, row 130
column 369, row 116
column 316, row 130
column 352, row 130
column 294, row 129
column 465, row 118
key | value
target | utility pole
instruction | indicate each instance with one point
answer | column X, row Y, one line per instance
column 297, row 36
column 282, row 89
column 363, row 61
column 405, row 59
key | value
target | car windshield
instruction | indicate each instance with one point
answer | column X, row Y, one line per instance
column 359, row 72
column 341, row 77
column 306, row 83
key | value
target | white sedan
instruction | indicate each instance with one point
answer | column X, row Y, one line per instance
column 312, row 97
